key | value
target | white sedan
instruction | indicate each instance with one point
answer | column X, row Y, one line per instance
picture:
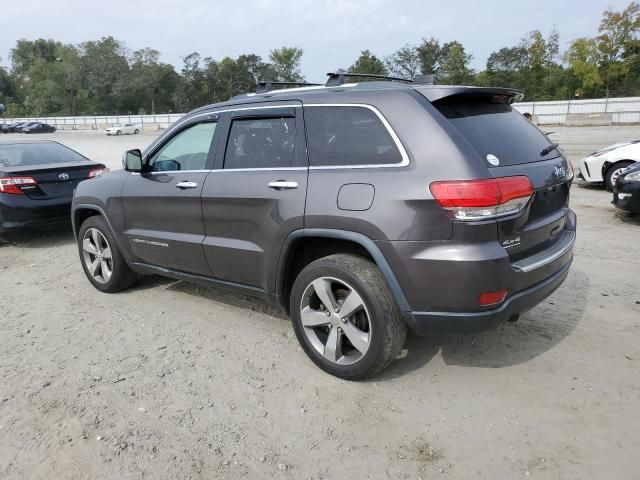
column 123, row 129
column 606, row 164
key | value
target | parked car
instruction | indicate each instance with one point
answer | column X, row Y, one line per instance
column 38, row 128
column 626, row 191
column 606, row 164
column 10, row 127
column 17, row 127
column 362, row 209
column 37, row 179
column 123, row 129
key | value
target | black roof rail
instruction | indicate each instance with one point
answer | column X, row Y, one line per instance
column 339, row 78
column 267, row 85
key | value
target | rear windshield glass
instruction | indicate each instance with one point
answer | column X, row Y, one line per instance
column 24, row 154
column 497, row 131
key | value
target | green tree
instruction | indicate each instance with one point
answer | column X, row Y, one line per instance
column 149, row 76
column 286, row 63
column 617, row 46
column 368, row 63
column 453, row 66
column 404, row 63
column 582, row 60
column 429, row 56
column 104, row 66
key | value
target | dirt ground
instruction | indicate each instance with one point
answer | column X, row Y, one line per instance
column 175, row 380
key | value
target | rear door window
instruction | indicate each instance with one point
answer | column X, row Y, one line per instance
column 348, row 136
column 261, row 143
column 497, row 131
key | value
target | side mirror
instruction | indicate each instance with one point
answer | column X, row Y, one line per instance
column 132, row 160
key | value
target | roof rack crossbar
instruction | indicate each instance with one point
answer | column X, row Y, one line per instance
column 266, row 86
column 339, row 78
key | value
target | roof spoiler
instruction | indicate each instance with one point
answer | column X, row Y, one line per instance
column 439, row 92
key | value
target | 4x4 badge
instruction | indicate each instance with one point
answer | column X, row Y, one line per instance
column 493, row 160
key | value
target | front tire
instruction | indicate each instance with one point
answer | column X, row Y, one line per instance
column 613, row 172
column 345, row 317
column 101, row 260
column 118, row 132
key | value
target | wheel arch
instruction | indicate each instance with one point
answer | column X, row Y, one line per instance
column 295, row 254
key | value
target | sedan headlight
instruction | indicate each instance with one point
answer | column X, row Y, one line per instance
column 635, row 176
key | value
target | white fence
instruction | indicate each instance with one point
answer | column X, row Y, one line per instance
column 101, row 121
column 622, row 110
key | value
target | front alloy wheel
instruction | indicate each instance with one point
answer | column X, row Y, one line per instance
column 97, row 255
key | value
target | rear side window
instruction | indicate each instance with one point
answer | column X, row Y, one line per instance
column 344, row 136
column 496, row 130
column 261, row 143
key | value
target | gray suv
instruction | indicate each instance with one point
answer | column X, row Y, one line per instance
column 363, row 209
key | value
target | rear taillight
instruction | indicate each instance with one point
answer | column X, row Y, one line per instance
column 97, row 171
column 483, row 199
column 13, row 185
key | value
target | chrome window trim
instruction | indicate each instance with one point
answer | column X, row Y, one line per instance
column 387, row 125
column 214, row 112
column 271, row 169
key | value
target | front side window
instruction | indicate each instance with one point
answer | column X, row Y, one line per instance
column 344, row 136
column 188, row 150
column 261, row 143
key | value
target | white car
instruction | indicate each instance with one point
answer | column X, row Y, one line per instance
column 123, row 129
column 605, row 165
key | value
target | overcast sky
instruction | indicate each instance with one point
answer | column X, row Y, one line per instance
column 331, row 32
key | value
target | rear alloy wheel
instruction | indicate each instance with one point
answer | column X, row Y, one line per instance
column 101, row 260
column 614, row 172
column 345, row 317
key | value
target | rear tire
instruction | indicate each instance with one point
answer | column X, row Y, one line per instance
column 361, row 332
column 136, row 131
column 101, row 260
column 613, row 172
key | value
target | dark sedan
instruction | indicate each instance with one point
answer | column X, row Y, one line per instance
column 37, row 180
column 626, row 190
column 38, row 128
column 13, row 127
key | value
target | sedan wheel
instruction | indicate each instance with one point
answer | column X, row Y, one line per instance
column 335, row 320
column 97, row 255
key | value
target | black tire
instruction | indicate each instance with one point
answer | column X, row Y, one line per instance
column 118, row 132
column 608, row 180
column 121, row 275
column 387, row 330
column 136, row 131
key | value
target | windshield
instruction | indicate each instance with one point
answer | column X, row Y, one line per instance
column 26, row 154
column 498, row 132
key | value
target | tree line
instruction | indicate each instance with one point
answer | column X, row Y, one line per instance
column 47, row 77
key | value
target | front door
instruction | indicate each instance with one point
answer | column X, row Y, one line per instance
column 256, row 195
column 162, row 208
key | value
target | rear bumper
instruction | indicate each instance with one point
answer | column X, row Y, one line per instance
column 463, row 323
column 20, row 211
column 442, row 281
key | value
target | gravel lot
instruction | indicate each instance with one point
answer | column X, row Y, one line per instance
column 175, row 380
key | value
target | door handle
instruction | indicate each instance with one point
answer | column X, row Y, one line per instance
column 283, row 185
column 185, row 185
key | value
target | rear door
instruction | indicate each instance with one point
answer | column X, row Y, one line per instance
column 162, row 209
column 510, row 145
column 255, row 197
